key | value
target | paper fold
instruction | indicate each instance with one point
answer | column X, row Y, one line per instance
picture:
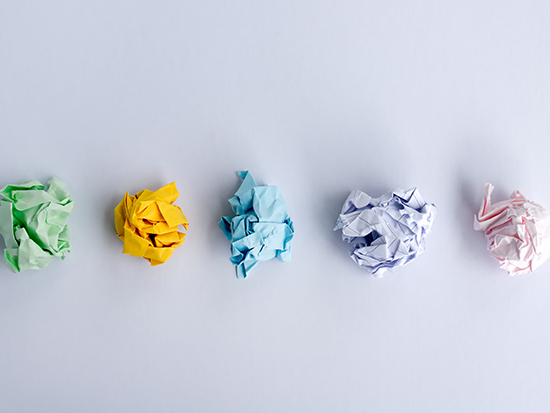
column 33, row 223
column 261, row 228
column 148, row 224
column 517, row 231
column 385, row 232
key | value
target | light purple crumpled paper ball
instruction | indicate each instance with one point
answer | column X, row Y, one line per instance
column 385, row 232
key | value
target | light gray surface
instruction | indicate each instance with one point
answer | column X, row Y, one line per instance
column 318, row 97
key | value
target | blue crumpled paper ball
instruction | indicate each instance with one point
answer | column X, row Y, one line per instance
column 261, row 228
column 385, row 232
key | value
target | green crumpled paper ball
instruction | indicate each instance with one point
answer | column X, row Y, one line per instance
column 33, row 224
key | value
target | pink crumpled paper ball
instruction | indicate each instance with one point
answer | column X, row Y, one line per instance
column 517, row 231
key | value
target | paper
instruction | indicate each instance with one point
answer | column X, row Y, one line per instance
column 517, row 231
column 33, row 224
column 385, row 232
column 148, row 224
column 261, row 228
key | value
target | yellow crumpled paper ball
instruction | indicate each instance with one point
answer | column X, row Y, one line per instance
column 148, row 223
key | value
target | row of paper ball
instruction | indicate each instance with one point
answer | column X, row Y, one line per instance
column 383, row 232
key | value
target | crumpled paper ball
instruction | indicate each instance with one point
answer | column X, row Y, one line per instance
column 261, row 228
column 385, row 232
column 148, row 224
column 517, row 231
column 33, row 223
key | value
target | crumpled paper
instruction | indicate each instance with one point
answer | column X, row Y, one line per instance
column 385, row 232
column 261, row 228
column 33, row 224
column 517, row 231
column 148, row 223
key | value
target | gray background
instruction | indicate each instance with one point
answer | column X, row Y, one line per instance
column 318, row 97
